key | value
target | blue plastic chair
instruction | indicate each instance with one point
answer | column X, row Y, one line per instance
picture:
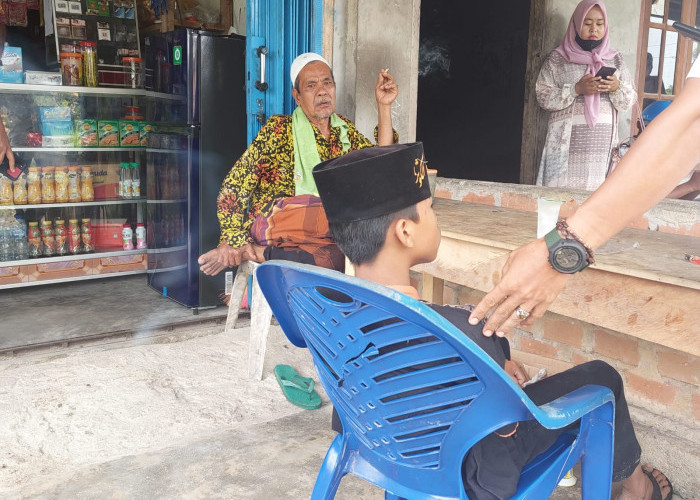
column 414, row 393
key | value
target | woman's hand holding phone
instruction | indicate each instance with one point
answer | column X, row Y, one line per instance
column 588, row 84
column 611, row 84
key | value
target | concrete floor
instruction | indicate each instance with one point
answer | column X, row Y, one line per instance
column 167, row 416
column 44, row 314
column 166, row 413
column 162, row 410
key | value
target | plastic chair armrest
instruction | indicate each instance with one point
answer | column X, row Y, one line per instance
column 571, row 407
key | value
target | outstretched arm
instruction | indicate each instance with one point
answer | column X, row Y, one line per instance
column 667, row 150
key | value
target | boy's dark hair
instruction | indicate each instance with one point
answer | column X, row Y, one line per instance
column 361, row 240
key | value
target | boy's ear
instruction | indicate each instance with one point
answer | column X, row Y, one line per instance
column 404, row 232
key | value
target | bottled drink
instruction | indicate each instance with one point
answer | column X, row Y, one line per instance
column 61, row 181
column 122, row 175
column 127, row 189
column 61, row 237
column 74, row 236
column 34, row 240
column 33, row 185
column 87, row 192
column 127, row 237
column 5, row 190
column 20, row 189
column 48, row 186
column 86, row 236
column 19, row 238
column 73, row 185
column 6, row 252
column 140, row 236
column 135, row 180
column 47, row 239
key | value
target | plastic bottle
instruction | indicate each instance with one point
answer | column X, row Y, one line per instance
column 86, row 236
column 61, row 181
column 48, row 185
column 47, row 238
column 121, row 178
column 73, row 185
column 19, row 237
column 33, row 185
column 128, row 188
column 5, row 239
column 140, row 236
column 20, row 189
column 135, row 180
column 61, row 237
column 74, row 239
column 127, row 237
column 5, row 190
column 87, row 192
column 34, row 240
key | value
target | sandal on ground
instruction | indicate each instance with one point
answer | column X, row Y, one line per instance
column 656, row 494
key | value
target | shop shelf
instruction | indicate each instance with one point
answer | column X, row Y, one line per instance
column 77, row 204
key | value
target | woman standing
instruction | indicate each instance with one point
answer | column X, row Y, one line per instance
column 583, row 108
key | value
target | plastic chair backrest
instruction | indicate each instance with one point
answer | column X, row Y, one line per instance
column 414, row 391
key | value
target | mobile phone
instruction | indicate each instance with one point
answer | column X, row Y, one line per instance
column 20, row 166
column 605, row 72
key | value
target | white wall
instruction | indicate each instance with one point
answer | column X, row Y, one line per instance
column 367, row 36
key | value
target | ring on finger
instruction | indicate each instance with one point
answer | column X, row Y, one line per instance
column 521, row 313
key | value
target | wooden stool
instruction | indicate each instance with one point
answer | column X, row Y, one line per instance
column 260, row 317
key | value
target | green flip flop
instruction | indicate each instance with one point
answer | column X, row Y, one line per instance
column 298, row 390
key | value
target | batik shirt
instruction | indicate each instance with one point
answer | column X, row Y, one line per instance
column 265, row 173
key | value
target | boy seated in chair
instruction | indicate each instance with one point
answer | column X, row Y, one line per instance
column 379, row 209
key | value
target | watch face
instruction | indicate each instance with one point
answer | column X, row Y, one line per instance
column 567, row 259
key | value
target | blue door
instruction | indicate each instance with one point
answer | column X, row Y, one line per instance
column 276, row 32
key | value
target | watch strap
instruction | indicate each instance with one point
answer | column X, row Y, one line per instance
column 551, row 238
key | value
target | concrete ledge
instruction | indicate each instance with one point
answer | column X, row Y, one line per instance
column 669, row 216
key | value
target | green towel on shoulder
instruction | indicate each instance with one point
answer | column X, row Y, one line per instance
column 306, row 155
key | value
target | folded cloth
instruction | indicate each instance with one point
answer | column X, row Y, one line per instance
column 299, row 222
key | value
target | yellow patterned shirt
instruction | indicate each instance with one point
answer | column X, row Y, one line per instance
column 265, row 174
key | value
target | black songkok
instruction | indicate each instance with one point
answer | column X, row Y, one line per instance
column 374, row 181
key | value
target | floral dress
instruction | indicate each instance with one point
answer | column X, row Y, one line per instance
column 265, row 174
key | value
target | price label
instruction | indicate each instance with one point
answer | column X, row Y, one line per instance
column 177, row 55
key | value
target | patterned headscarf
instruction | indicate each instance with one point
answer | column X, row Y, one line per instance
column 572, row 52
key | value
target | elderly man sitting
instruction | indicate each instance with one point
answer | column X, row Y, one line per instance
column 268, row 206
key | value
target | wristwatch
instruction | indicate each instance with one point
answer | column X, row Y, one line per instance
column 566, row 255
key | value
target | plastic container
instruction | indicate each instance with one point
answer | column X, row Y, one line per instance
column 86, row 236
column 34, row 240
column 20, row 189
column 127, row 237
column 61, row 180
column 73, row 185
column 133, row 72
column 72, row 68
column 87, row 192
column 33, row 185
column 140, row 236
column 61, row 237
column 48, row 239
column 48, row 186
column 6, row 191
column 89, row 50
column 74, row 245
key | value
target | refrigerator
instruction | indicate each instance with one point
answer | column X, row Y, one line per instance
column 198, row 110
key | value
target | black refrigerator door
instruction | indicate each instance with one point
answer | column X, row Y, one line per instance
column 184, row 184
column 219, row 113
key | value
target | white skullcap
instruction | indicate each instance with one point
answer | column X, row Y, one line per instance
column 301, row 61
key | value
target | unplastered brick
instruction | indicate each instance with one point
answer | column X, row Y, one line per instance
column 616, row 346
